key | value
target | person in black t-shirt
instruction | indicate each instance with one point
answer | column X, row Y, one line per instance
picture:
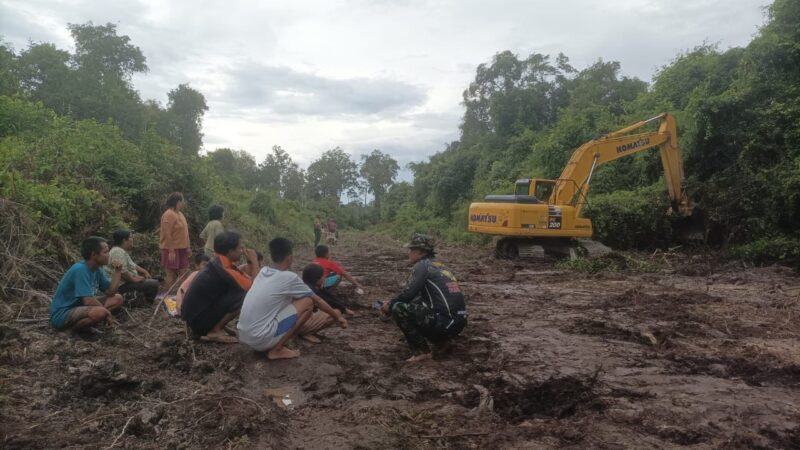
column 431, row 308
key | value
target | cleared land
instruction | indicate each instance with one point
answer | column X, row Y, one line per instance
column 699, row 353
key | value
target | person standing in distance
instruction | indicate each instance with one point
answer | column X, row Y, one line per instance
column 174, row 239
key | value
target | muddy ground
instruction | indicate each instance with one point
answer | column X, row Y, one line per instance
column 700, row 353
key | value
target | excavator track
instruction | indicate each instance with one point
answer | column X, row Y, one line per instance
column 547, row 248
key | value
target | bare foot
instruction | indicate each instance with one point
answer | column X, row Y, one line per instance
column 282, row 353
column 420, row 357
column 314, row 339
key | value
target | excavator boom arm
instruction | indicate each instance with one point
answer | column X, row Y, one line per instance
column 573, row 184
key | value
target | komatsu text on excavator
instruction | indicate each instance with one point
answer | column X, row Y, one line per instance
column 545, row 214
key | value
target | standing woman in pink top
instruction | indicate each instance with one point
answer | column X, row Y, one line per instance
column 174, row 239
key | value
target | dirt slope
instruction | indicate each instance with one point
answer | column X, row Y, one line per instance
column 699, row 354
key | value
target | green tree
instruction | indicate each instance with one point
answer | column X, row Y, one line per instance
column 104, row 64
column 379, row 171
column 102, row 53
column 273, row 169
column 331, row 175
column 45, row 75
column 236, row 166
column 293, row 182
column 9, row 84
column 187, row 107
column 397, row 195
column 513, row 92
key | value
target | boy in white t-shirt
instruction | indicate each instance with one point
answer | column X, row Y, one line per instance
column 279, row 306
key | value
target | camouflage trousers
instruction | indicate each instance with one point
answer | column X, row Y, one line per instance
column 420, row 324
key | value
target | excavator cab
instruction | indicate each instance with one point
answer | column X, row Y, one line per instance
column 532, row 187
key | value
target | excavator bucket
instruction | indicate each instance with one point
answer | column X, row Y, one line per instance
column 691, row 229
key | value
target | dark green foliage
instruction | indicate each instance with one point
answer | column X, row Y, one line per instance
column 378, row 170
column 45, row 75
column 331, row 175
column 9, row 83
column 81, row 154
column 738, row 114
column 186, row 109
column 769, row 250
column 627, row 219
column 261, row 206
column 21, row 117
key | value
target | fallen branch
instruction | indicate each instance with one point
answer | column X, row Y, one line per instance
column 42, row 420
column 121, row 433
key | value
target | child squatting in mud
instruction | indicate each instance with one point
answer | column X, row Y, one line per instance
column 431, row 307
column 279, row 306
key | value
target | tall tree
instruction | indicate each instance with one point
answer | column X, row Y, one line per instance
column 187, row 107
column 331, row 175
column 293, row 182
column 512, row 92
column 274, row 168
column 9, row 84
column 102, row 53
column 45, row 75
column 236, row 165
column 104, row 64
column 379, row 171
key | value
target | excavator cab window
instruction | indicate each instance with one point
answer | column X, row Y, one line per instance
column 522, row 187
column 543, row 189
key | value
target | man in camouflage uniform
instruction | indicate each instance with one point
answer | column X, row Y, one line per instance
column 431, row 308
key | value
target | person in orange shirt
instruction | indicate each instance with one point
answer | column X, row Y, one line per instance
column 216, row 294
column 174, row 239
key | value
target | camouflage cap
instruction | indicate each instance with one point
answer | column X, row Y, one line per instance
column 421, row 241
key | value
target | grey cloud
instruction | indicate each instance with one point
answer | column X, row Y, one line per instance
column 283, row 91
column 437, row 121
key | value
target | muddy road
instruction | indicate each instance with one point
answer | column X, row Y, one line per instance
column 698, row 353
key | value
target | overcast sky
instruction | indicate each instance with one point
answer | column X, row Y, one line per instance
column 365, row 74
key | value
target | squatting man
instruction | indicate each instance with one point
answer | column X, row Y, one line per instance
column 430, row 310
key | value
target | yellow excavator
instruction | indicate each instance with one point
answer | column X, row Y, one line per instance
column 544, row 215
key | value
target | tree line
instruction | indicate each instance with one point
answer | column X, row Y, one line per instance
column 94, row 82
column 739, row 127
column 74, row 133
column 82, row 154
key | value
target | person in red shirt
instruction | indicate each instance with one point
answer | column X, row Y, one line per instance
column 333, row 272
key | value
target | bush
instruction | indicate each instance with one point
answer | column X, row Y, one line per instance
column 781, row 249
column 261, row 206
column 631, row 219
column 18, row 116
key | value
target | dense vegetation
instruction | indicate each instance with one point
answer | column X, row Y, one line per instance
column 81, row 153
column 738, row 114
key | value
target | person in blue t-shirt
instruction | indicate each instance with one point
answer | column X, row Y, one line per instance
column 85, row 296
